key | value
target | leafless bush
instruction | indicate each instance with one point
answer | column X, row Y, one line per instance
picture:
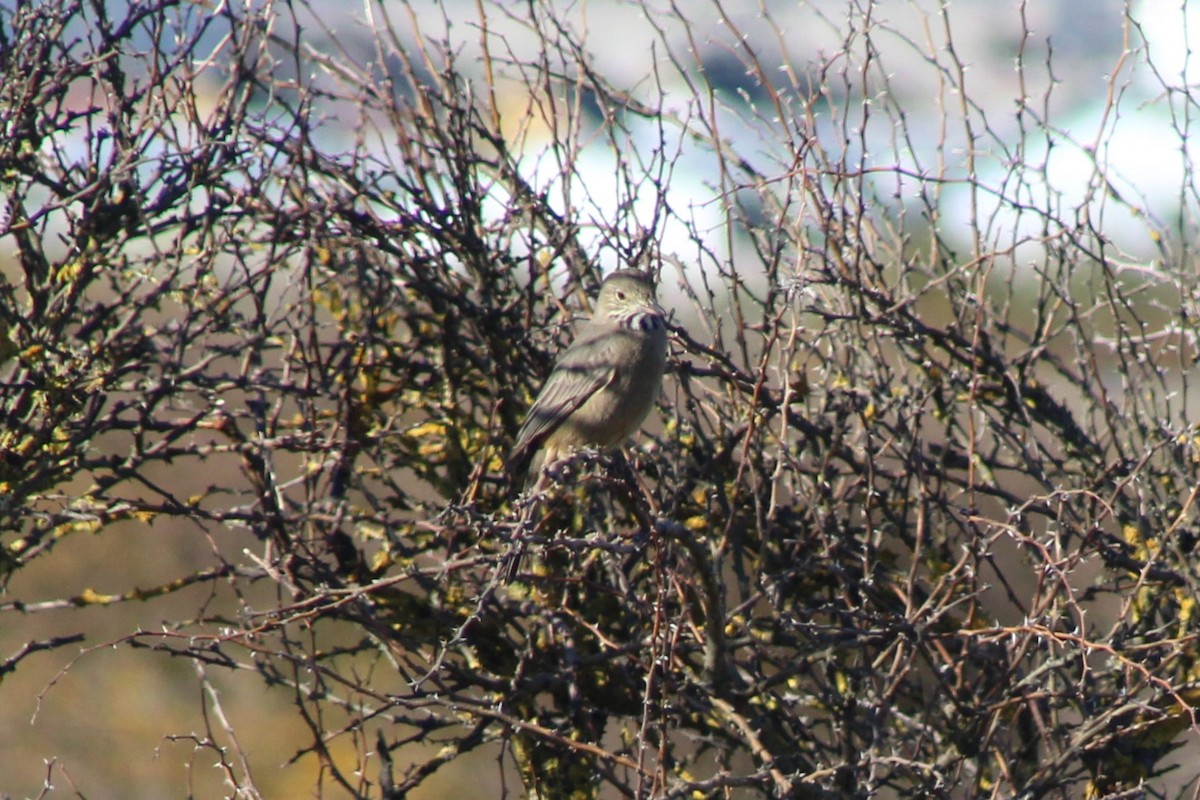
column 917, row 515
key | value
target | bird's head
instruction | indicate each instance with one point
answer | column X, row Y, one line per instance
column 627, row 297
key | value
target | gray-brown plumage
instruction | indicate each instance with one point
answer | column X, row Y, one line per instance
column 604, row 383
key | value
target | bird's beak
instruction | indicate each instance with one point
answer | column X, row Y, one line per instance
column 653, row 309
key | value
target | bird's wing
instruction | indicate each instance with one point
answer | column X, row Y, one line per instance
column 583, row 369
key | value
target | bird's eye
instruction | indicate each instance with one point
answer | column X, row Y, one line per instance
column 620, row 295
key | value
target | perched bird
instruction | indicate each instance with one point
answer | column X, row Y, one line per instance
column 604, row 383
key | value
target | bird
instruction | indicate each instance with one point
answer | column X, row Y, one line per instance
column 603, row 384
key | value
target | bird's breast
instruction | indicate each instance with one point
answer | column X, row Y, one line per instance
column 614, row 413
